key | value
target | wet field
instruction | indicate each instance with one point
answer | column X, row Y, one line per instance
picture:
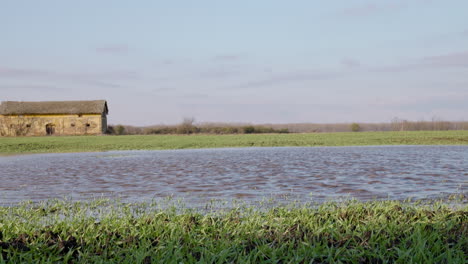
column 250, row 174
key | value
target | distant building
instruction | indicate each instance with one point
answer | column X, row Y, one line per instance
column 53, row 118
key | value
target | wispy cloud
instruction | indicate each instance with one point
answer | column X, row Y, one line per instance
column 455, row 59
column 164, row 89
column 372, row 8
column 229, row 57
column 458, row 59
column 220, row 73
column 193, row 96
column 18, row 72
column 42, row 88
column 94, row 78
column 223, row 71
column 446, row 100
column 107, row 75
column 465, row 33
column 290, row 77
column 113, row 49
column 168, row 62
column 350, row 63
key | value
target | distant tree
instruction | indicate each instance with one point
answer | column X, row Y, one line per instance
column 110, row 130
column 187, row 126
column 249, row 129
column 399, row 124
column 355, row 127
column 119, row 130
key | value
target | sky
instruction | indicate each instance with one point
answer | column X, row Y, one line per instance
column 262, row 61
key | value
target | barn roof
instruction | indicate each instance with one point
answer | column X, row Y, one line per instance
column 54, row 107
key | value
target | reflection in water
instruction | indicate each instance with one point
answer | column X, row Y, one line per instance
column 317, row 174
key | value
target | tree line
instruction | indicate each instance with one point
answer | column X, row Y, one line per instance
column 188, row 126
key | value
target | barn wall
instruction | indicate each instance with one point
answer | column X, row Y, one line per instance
column 104, row 123
column 35, row 125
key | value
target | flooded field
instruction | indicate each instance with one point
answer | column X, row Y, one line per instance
column 251, row 174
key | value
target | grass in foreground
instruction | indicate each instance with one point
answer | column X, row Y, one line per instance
column 153, row 142
column 353, row 232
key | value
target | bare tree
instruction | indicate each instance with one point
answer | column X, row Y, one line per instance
column 187, row 126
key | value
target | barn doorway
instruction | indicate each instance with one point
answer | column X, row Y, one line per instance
column 50, row 129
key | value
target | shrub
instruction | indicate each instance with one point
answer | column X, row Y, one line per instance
column 187, row 127
column 119, row 130
column 249, row 129
column 355, row 127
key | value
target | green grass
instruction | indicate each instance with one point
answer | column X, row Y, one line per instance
column 352, row 232
column 10, row 145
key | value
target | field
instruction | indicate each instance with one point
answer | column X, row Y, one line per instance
column 351, row 232
column 154, row 142
column 101, row 231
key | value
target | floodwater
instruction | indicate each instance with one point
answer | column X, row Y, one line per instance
column 250, row 174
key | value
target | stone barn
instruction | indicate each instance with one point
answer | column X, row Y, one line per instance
column 53, row 118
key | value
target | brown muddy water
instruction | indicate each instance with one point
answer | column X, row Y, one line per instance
column 249, row 174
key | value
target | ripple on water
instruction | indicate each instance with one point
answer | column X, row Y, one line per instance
column 251, row 173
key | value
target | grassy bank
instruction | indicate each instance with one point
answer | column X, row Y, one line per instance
column 150, row 142
column 355, row 232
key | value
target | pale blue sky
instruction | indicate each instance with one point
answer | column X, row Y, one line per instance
column 241, row 61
